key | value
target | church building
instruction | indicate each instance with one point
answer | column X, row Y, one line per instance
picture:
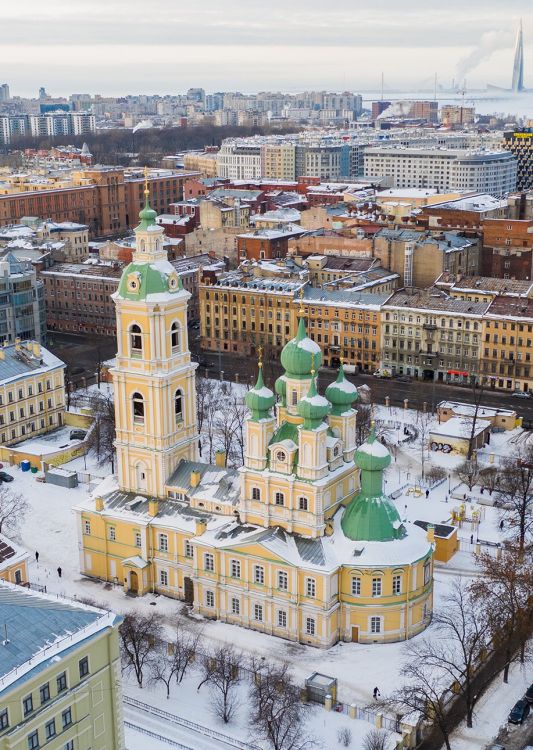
column 300, row 542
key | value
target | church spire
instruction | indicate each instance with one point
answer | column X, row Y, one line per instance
column 147, row 215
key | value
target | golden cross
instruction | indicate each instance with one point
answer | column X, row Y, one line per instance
column 302, row 300
column 146, row 189
column 260, row 354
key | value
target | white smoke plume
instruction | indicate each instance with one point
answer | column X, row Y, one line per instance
column 489, row 42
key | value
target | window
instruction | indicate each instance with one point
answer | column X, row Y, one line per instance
column 86, row 527
column 44, row 693
column 235, row 569
column 27, row 705
column 259, row 574
column 375, row 624
column 138, row 539
column 138, row 408
column 282, row 618
column 69, row 745
column 136, row 342
column 235, row 606
column 376, row 587
column 163, row 578
column 356, row 586
column 209, row 599
column 310, row 587
column 188, row 549
column 178, row 405
column 66, row 718
column 256, row 493
column 310, row 625
column 112, row 533
column 84, row 667
column 175, row 337
column 209, row 562
column 50, row 729
column 61, row 681
column 427, row 572
column 258, row 612
column 163, row 542
column 280, row 456
column 302, row 503
column 279, row 498
column 283, row 580
column 33, row 740
column 4, row 719
column 397, row 584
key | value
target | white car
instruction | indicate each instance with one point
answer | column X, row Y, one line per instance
column 521, row 394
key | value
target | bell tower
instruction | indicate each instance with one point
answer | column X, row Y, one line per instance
column 154, row 378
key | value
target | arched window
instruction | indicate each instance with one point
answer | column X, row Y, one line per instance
column 175, row 337
column 136, row 341
column 142, row 246
column 178, row 405
column 138, row 408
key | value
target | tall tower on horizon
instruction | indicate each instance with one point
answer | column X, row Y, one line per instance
column 518, row 66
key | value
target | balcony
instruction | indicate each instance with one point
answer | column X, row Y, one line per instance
column 429, row 326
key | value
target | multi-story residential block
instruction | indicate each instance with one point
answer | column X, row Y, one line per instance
column 455, row 114
column 480, row 171
column 507, row 248
column 267, row 244
column 419, row 257
column 464, row 213
column 483, row 288
column 508, row 343
column 65, row 240
column 13, row 562
column 32, row 391
column 22, row 313
column 60, row 681
column 219, row 214
column 520, row 143
column 51, row 124
column 432, row 336
column 301, row 543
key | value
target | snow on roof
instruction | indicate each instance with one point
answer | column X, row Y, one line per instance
column 460, row 428
column 375, row 448
column 469, row 410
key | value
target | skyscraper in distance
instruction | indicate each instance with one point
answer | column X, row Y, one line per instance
column 518, row 66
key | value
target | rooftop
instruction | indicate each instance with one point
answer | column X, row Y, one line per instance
column 510, row 307
column 436, row 299
column 25, row 358
column 481, row 284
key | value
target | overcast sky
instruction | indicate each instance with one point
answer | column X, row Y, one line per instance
column 115, row 47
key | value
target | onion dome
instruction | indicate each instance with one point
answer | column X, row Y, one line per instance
column 313, row 408
column 301, row 354
column 147, row 215
column 260, row 399
column 280, row 386
column 341, row 394
column 371, row 516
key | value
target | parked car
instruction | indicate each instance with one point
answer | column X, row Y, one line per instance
column 404, row 378
column 204, row 363
column 5, row 477
column 521, row 394
column 78, row 434
column 519, row 712
column 529, row 694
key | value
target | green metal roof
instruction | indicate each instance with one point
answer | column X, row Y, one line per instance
column 341, row 394
column 313, row 408
column 301, row 354
column 139, row 280
column 260, row 399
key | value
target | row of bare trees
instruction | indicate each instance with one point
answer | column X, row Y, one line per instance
column 221, row 414
column 276, row 712
column 480, row 629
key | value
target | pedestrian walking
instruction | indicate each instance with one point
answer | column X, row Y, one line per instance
column 501, row 525
column 59, row 572
column 427, row 494
column 36, row 556
column 446, row 499
column 376, row 693
column 471, row 539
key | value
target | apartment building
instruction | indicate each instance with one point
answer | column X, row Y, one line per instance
column 507, row 248
column 65, row 239
column 455, row 114
column 432, row 336
column 32, row 391
column 520, row 144
column 60, row 678
column 267, row 244
column 22, row 312
column 446, row 170
column 464, row 213
column 508, row 343
column 49, row 124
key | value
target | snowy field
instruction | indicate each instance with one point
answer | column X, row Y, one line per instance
column 49, row 528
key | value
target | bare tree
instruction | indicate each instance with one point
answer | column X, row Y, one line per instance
column 239, row 411
column 221, row 670
column 422, row 693
column 435, row 474
column 488, row 478
column 185, row 646
column 505, row 588
column 209, row 422
column 344, row 737
column 376, row 739
column 13, row 507
column 205, row 390
column 363, row 423
column 477, row 387
column 277, row 714
column 468, row 473
column 138, row 637
column 460, row 641
column 423, row 420
column 515, row 490
column 225, row 427
column 163, row 665
column 101, row 436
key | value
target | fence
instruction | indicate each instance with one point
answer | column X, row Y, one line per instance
column 156, row 736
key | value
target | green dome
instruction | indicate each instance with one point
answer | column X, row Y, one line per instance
column 371, row 516
column 280, row 386
column 341, row 394
column 139, row 280
column 260, row 399
column 301, row 355
column 147, row 215
column 313, row 408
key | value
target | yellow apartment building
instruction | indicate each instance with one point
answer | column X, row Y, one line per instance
column 13, row 562
column 507, row 344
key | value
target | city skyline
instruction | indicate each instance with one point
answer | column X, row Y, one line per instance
column 243, row 47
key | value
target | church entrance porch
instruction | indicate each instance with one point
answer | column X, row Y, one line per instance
column 135, row 575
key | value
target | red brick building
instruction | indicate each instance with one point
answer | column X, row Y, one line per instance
column 266, row 244
column 507, row 248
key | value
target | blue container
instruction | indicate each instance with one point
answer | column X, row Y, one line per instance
column 25, row 465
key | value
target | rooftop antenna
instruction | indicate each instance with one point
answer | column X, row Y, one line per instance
column 382, row 84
